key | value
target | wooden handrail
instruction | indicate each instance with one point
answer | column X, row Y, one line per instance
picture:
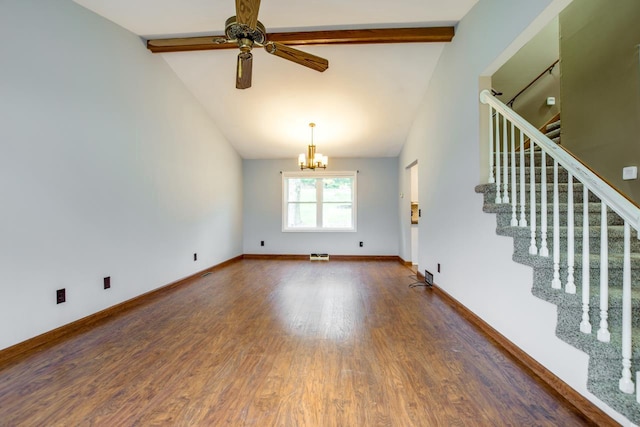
column 547, row 70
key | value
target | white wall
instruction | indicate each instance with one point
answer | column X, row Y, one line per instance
column 476, row 263
column 377, row 210
column 414, row 184
column 414, row 244
column 108, row 167
column 414, row 227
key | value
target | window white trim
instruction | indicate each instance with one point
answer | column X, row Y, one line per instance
column 317, row 174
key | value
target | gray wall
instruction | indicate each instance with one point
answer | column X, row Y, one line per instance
column 377, row 210
column 108, row 167
column 601, row 87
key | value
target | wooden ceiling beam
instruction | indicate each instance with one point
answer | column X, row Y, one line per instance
column 300, row 38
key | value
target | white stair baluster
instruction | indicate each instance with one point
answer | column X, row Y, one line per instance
column 626, row 384
column 498, row 172
column 603, row 333
column 570, row 287
column 523, row 217
column 585, row 325
column 514, row 194
column 533, row 249
column 556, row 283
column 505, row 161
column 544, row 250
column 492, row 179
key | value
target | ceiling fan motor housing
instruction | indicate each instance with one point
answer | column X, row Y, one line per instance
column 235, row 31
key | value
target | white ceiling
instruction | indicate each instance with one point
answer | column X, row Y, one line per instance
column 363, row 105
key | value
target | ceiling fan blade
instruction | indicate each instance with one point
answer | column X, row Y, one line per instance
column 247, row 12
column 243, row 72
column 297, row 38
column 365, row 36
column 297, row 56
column 186, row 44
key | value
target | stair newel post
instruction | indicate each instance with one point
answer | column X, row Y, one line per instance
column 492, row 179
column 514, row 194
column 626, row 384
column 544, row 250
column 585, row 325
column 603, row 333
column 570, row 287
column 523, row 208
column 533, row 249
column 505, row 161
column 498, row 171
column 556, row 283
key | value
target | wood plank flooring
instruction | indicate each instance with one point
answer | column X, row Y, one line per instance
column 281, row 343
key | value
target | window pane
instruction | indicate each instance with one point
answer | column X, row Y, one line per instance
column 302, row 215
column 337, row 215
column 302, row 190
column 319, row 202
column 337, row 189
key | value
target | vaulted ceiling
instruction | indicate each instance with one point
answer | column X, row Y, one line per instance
column 363, row 105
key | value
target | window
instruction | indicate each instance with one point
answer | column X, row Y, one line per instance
column 319, row 201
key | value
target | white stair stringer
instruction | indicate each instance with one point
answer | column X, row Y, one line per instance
column 605, row 359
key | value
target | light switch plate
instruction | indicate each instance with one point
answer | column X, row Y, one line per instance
column 630, row 172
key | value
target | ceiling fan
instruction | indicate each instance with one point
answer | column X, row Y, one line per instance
column 244, row 31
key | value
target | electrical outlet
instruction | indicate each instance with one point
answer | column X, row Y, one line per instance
column 261, row 242
column 361, row 244
column 107, row 282
column 195, row 257
column 61, row 296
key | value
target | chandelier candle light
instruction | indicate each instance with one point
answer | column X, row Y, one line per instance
column 313, row 160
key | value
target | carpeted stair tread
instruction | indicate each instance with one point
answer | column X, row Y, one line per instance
column 553, row 133
column 563, row 189
column 575, row 300
column 613, row 231
column 553, row 126
column 593, row 208
column 615, row 261
column 537, row 155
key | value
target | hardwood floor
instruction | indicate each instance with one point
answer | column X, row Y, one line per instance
column 281, row 343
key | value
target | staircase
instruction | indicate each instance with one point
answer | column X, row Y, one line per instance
column 552, row 130
column 581, row 308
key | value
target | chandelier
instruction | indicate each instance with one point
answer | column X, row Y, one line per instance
column 312, row 160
